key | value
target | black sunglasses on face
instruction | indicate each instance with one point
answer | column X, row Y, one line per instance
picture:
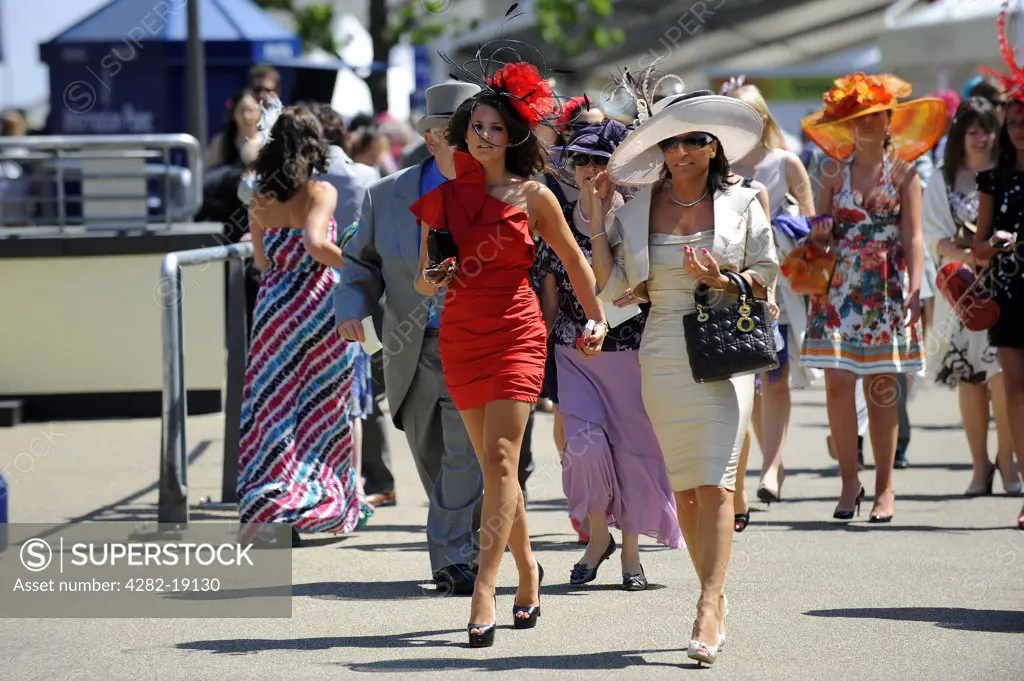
column 583, row 160
column 690, row 141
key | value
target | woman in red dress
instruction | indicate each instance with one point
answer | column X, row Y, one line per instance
column 493, row 338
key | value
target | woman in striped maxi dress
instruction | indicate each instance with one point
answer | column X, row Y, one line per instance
column 296, row 458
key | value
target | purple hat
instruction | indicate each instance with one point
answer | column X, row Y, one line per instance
column 596, row 139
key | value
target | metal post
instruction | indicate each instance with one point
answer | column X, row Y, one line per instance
column 238, row 353
column 173, row 503
column 196, row 65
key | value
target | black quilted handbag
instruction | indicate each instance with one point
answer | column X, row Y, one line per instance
column 729, row 341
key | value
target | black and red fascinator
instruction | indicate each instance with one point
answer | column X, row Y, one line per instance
column 516, row 70
column 1012, row 84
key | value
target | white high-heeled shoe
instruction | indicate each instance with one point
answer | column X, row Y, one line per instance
column 702, row 652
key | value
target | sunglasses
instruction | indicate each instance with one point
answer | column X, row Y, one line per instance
column 583, row 160
column 690, row 141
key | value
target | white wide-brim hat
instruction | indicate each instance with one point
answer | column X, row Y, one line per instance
column 735, row 124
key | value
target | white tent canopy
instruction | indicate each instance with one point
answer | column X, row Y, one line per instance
column 948, row 34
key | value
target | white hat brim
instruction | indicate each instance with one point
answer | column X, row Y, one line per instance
column 736, row 125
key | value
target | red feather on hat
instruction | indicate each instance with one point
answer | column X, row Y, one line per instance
column 1013, row 85
column 531, row 95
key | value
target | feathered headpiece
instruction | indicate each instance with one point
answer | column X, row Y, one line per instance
column 1013, row 84
column 272, row 109
column 640, row 91
column 507, row 72
column 732, row 85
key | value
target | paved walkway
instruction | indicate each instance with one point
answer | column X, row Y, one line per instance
column 939, row 594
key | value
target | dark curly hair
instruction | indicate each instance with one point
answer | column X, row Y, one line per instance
column 719, row 171
column 297, row 148
column 333, row 124
column 523, row 159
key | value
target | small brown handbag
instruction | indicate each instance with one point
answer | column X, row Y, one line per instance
column 809, row 268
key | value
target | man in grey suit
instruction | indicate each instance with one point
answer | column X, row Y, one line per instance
column 382, row 259
column 352, row 180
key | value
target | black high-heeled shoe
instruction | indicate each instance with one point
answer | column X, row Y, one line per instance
column 581, row 574
column 532, row 611
column 848, row 515
column 485, row 639
column 740, row 521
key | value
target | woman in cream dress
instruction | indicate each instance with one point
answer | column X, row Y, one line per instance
column 691, row 221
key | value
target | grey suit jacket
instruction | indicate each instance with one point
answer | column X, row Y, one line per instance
column 352, row 180
column 382, row 260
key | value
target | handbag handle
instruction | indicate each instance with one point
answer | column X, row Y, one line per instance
column 745, row 324
column 700, row 294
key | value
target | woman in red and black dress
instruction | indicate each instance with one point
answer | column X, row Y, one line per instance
column 493, row 338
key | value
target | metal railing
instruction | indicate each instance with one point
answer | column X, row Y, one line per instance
column 173, row 501
column 99, row 181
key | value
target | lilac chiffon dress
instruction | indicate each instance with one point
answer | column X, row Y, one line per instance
column 612, row 462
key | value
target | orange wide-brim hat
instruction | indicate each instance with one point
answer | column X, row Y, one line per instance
column 915, row 127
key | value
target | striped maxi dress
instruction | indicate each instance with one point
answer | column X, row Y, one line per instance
column 295, row 459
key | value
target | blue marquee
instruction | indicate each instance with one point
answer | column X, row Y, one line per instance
column 121, row 70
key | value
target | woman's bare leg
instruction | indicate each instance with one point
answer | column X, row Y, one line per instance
column 630, row 556
column 1012, row 361
column 739, row 499
column 503, row 515
column 883, row 393
column 714, row 536
column 974, row 415
column 776, row 406
column 688, row 514
column 840, row 400
column 1009, row 469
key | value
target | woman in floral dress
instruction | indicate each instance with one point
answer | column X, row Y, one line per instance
column 868, row 324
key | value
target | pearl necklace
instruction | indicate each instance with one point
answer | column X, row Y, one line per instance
column 685, row 204
column 579, row 212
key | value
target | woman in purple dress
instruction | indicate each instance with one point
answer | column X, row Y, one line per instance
column 613, row 472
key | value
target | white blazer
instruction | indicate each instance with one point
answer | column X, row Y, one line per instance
column 744, row 241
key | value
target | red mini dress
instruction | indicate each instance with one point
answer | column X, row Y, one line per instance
column 493, row 339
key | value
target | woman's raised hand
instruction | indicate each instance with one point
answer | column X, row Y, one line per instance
column 704, row 268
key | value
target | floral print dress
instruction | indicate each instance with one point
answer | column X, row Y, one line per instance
column 861, row 324
column 968, row 357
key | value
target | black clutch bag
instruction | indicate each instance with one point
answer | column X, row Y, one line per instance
column 440, row 247
column 729, row 341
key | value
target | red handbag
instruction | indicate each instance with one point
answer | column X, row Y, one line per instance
column 973, row 303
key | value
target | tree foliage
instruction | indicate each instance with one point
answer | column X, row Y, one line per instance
column 568, row 26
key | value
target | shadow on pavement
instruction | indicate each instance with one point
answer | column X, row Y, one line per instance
column 608, row 661
column 862, row 525
column 416, row 639
column 367, row 591
column 412, row 529
column 964, row 619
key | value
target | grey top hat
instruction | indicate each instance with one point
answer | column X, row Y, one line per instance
column 442, row 101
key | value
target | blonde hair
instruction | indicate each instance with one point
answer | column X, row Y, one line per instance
column 772, row 136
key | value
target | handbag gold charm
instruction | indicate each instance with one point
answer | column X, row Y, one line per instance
column 702, row 313
column 744, row 324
